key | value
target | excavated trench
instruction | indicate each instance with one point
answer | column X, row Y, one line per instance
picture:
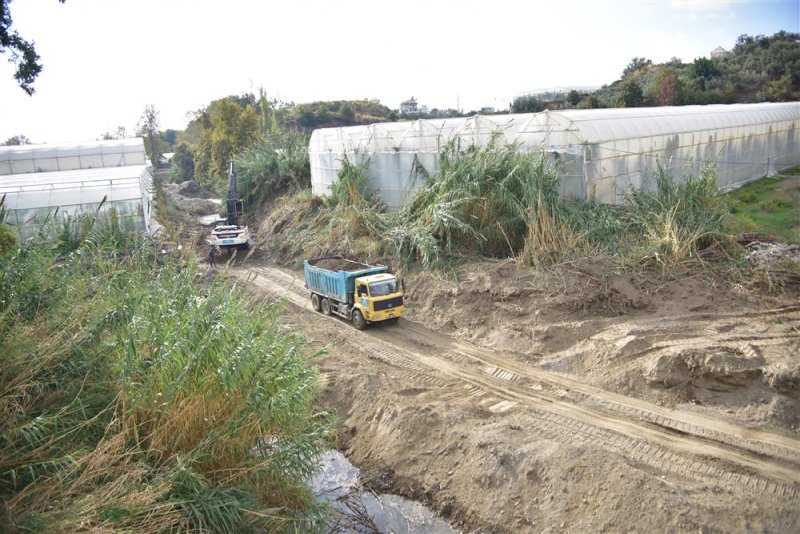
column 578, row 438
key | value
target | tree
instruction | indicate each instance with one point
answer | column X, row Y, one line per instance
column 668, row 89
column 589, row 102
column 169, row 136
column 183, row 163
column 120, row 133
column 148, row 128
column 22, row 53
column 779, row 90
column 636, row 64
column 631, row 94
column 228, row 127
column 17, row 140
column 573, row 97
column 704, row 68
column 346, row 113
column 674, row 62
column 526, row 104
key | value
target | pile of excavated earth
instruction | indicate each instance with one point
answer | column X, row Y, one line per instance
column 584, row 399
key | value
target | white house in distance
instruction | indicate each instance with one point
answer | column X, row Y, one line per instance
column 409, row 106
column 719, row 53
column 75, row 178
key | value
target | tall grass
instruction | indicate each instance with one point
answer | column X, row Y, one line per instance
column 130, row 400
column 272, row 166
column 500, row 202
column 493, row 200
column 664, row 223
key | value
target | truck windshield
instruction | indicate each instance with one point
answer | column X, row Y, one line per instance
column 380, row 289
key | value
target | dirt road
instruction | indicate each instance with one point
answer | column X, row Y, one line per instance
column 501, row 443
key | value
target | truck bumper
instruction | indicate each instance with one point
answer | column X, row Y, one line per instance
column 383, row 315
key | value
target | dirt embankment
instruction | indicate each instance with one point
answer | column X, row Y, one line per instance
column 675, row 342
column 585, row 400
column 579, row 433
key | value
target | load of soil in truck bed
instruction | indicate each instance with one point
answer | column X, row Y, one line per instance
column 337, row 263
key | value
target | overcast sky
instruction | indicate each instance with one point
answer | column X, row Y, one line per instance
column 104, row 60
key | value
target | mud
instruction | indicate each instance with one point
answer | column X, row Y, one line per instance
column 354, row 510
column 585, row 399
column 691, row 417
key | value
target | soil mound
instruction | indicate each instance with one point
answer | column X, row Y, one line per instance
column 192, row 189
column 712, row 368
column 337, row 263
column 189, row 204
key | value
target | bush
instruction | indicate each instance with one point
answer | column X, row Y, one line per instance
column 8, row 239
column 133, row 401
column 272, row 166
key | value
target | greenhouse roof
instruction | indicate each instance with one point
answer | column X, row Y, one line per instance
column 25, row 159
column 575, row 126
column 599, row 125
column 113, row 146
column 117, row 182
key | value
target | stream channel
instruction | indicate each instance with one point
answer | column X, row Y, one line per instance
column 356, row 510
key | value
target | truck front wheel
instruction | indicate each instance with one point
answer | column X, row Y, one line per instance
column 315, row 302
column 358, row 320
column 326, row 306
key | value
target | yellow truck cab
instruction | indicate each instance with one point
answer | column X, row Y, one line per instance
column 379, row 297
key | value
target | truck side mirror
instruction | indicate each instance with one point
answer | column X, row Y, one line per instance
column 403, row 284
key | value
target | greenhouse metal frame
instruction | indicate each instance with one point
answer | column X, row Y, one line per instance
column 603, row 153
column 38, row 181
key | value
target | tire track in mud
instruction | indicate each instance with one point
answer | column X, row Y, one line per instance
column 684, row 443
column 757, row 441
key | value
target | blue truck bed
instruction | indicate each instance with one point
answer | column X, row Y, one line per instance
column 334, row 276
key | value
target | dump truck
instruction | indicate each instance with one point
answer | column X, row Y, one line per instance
column 358, row 292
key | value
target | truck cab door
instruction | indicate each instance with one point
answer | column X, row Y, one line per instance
column 362, row 295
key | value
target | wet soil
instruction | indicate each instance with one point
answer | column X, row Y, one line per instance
column 569, row 426
column 586, row 399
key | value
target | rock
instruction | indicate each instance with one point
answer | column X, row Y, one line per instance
column 723, row 368
column 668, row 370
column 784, row 379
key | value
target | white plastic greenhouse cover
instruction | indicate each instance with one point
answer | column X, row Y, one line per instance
column 65, row 157
column 36, row 179
column 603, row 153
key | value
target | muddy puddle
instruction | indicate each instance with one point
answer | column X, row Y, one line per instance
column 355, row 510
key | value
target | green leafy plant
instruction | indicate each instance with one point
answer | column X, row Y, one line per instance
column 134, row 401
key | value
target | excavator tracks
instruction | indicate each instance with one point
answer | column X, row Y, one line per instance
column 559, row 408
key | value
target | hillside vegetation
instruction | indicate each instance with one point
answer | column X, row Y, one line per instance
column 757, row 69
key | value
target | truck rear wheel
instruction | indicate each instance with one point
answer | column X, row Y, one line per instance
column 326, row 306
column 315, row 302
column 358, row 320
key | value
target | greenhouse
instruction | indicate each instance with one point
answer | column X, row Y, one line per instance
column 602, row 153
column 79, row 178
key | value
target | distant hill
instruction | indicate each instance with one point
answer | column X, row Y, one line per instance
column 757, row 69
column 338, row 113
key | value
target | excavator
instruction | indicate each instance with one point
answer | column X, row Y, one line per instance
column 228, row 234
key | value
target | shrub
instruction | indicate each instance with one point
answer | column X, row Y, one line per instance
column 133, row 401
